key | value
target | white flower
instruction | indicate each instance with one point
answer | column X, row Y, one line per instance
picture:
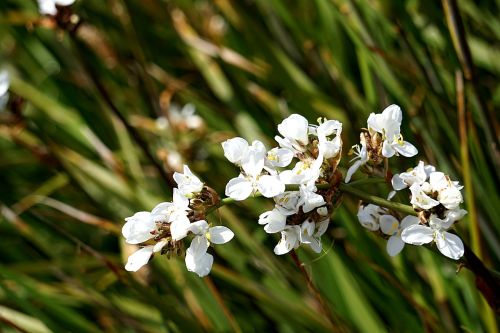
column 308, row 198
column 290, row 239
column 417, row 175
column 252, row 180
column 235, row 149
column 278, row 158
column 419, row 197
column 447, row 243
column 361, row 159
column 295, row 131
column 186, row 116
column 139, row 228
column 305, row 171
column 273, row 221
column 48, row 7
column 369, row 216
column 448, row 193
column 287, row 203
column 388, row 123
column 197, row 259
column 310, row 233
column 389, row 225
column 329, row 148
column 175, row 213
column 4, row 88
column 188, row 183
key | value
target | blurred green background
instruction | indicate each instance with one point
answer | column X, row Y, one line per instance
column 92, row 134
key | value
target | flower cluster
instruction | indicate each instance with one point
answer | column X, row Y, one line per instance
column 301, row 216
column 164, row 228
column 380, row 141
column 301, row 176
column 438, row 199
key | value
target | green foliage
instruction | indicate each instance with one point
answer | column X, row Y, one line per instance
column 72, row 169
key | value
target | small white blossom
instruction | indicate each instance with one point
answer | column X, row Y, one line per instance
column 287, row 203
column 188, row 183
column 448, row 192
column 175, row 213
column 310, row 233
column 290, row 239
column 48, row 7
column 310, row 200
column 252, row 180
column 447, row 243
column 139, row 228
column 197, row 259
column 388, row 124
column 235, row 150
column 420, row 198
column 278, row 158
column 329, row 147
column 361, row 159
column 305, row 171
column 390, row 226
column 273, row 221
column 295, row 131
column 417, row 175
column 369, row 216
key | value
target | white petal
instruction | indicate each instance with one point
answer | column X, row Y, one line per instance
column 389, row 224
column 398, row 183
column 406, row 149
column 179, row 228
column 274, row 221
column 4, row 82
column 199, row 227
column 179, row 200
column 270, row 186
column 450, row 245
column 387, row 149
column 315, row 244
column 198, row 247
column 407, row 221
column 322, row 227
column 200, row 265
column 420, row 199
column 289, row 240
column 394, row 245
column 438, row 181
column 139, row 258
column 253, row 162
column 220, row 235
column 159, row 246
column 450, row 197
column 138, row 228
column 352, row 170
column 47, row 7
column 279, row 157
column 295, row 127
column 417, row 235
column 235, row 149
column 64, row 2
column 239, row 188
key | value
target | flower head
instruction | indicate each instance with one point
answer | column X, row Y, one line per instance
column 197, row 259
column 388, row 124
column 187, row 182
